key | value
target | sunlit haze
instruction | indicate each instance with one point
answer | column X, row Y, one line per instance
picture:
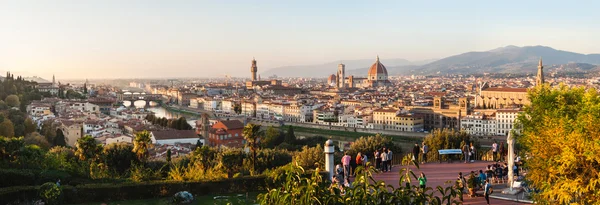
column 158, row 39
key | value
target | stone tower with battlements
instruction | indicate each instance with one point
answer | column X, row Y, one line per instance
column 253, row 69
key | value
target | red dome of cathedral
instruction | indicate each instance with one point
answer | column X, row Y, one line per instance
column 331, row 79
column 377, row 69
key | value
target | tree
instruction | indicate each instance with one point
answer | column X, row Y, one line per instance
column 272, row 138
column 29, row 126
column 169, row 155
column 290, row 137
column 85, row 90
column 59, row 140
column 119, row 156
column 12, row 101
column 368, row 145
column 310, row 157
column 49, row 130
column 252, row 135
column 141, row 144
column 198, row 144
column 7, row 129
column 447, row 139
column 237, row 108
column 231, row 161
column 37, row 139
column 560, row 132
column 87, row 148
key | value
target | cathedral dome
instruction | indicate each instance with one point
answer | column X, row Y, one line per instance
column 377, row 69
column 331, row 78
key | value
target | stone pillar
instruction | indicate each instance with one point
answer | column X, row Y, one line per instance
column 329, row 163
column 511, row 159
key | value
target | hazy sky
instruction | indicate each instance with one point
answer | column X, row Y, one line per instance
column 146, row 38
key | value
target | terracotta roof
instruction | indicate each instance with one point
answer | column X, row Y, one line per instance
column 507, row 89
column 174, row 134
column 232, row 124
column 377, row 68
column 386, row 110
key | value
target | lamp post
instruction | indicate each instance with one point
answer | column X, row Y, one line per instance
column 329, row 164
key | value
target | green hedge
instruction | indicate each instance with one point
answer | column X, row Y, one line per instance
column 131, row 191
column 23, row 177
column 17, row 177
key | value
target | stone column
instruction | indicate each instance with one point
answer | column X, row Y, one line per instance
column 329, row 163
column 511, row 159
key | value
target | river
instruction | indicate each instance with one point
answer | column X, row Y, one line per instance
column 163, row 112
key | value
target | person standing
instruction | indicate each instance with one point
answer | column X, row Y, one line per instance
column 377, row 159
column 461, row 185
column 384, row 160
column 473, row 153
column 415, row 153
column 422, row 181
column 359, row 159
column 494, row 150
column 346, row 163
column 486, row 191
column 365, row 159
column 501, row 150
column 389, row 156
column 425, row 150
column 465, row 150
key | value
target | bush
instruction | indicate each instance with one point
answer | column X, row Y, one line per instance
column 54, row 176
column 368, row 145
column 447, row 139
column 310, row 157
column 16, row 177
column 50, row 193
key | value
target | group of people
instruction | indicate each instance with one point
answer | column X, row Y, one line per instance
column 498, row 152
column 481, row 182
column 383, row 159
column 343, row 171
column 420, row 150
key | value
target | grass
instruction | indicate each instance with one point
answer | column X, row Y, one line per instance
column 349, row 134
column 233, row 199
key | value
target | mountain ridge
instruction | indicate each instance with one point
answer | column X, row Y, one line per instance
column 507, row 59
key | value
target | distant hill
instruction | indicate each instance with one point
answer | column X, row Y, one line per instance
column 36, row 79
column 510, row 59
column 353, row 67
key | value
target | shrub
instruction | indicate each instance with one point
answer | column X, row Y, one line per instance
column 310, row 157
column 54, row 176
column 50, row 193
column 368, row 145
column 16, row 177
column 447, row 139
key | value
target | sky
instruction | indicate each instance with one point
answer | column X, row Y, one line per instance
column 179, row 38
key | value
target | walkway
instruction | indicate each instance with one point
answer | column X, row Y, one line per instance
column 438, row 174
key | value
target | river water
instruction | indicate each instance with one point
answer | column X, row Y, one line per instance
column 163, row 112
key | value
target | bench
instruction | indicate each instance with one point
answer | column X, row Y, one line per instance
column 448, row 152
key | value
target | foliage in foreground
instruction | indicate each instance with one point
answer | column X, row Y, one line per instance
column 297, row 188
column 562, row 136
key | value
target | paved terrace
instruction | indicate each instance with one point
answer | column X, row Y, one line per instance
column 439, row 173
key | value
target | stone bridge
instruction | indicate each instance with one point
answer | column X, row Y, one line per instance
column 134, row 96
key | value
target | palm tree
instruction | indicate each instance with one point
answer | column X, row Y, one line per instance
column 252, row 134
column 141, row 143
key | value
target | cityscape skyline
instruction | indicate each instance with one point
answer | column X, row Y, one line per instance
column 205, row 39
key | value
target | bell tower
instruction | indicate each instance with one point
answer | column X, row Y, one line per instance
column 341, row 76
column 540, row 74
column 253, row 69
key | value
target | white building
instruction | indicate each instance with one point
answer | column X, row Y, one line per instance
column 479, row 124
column 505, row 120
column 175, row 136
